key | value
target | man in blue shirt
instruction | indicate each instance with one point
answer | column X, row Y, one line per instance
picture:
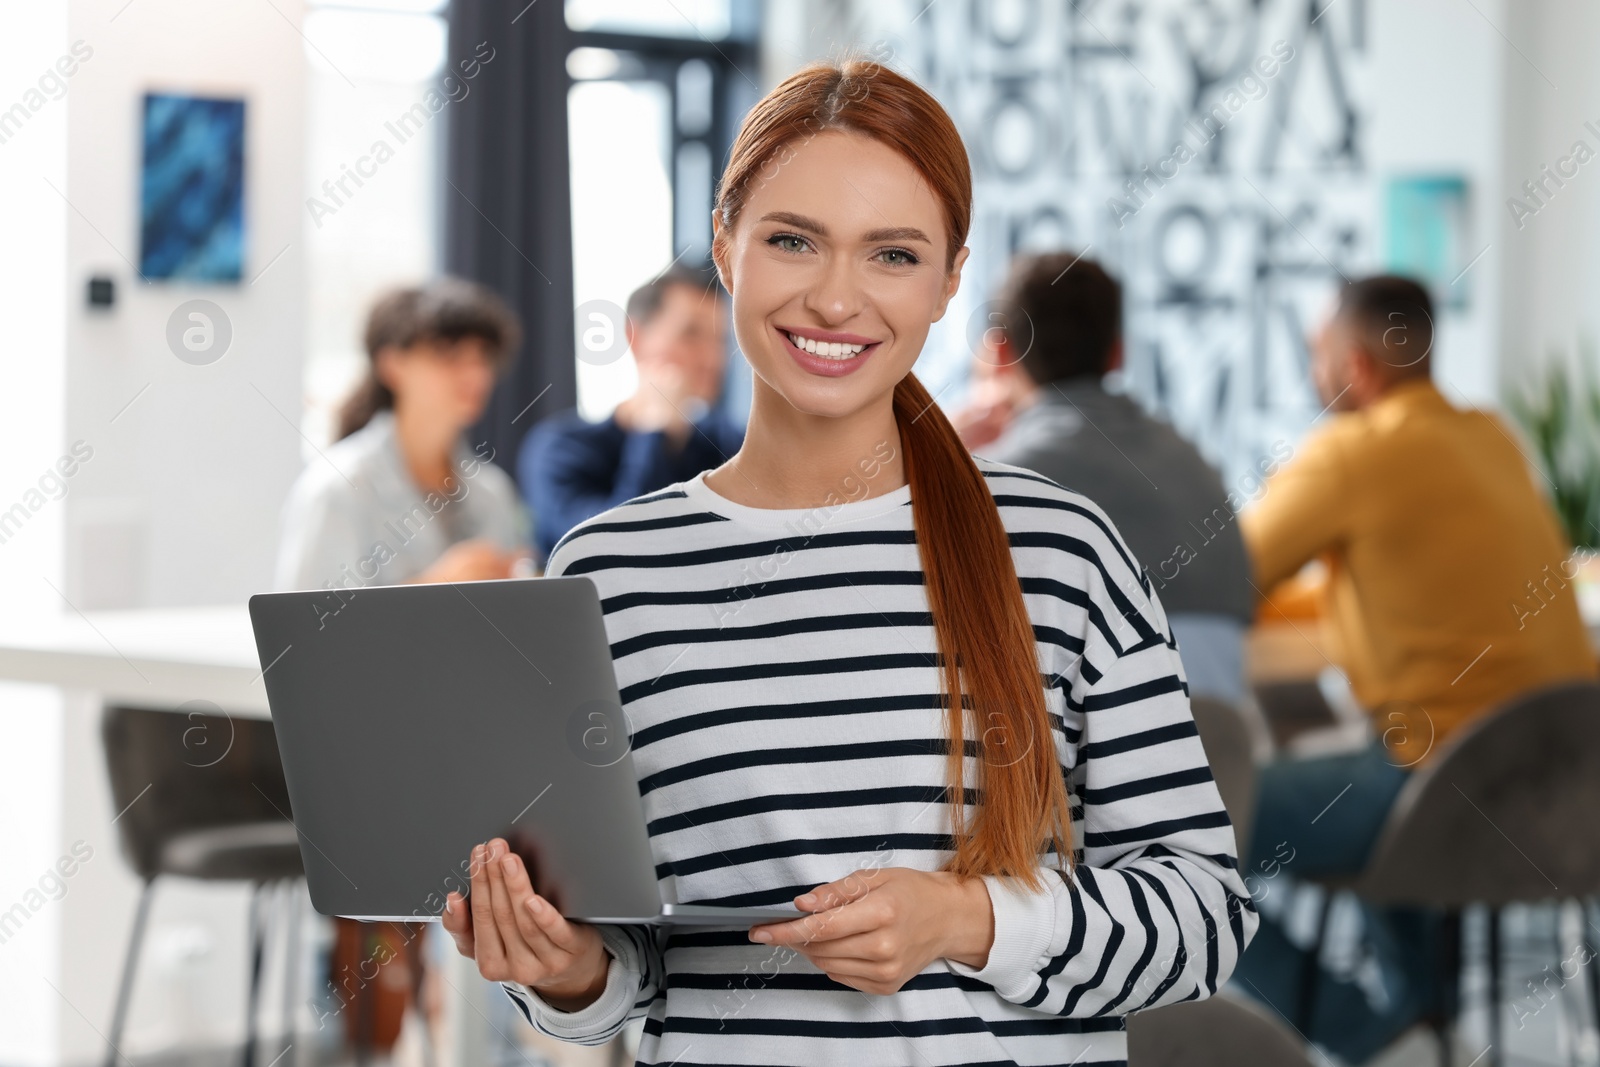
column 571, row 469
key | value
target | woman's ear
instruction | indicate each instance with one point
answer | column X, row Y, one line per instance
column 952, row 282
column 719, row 251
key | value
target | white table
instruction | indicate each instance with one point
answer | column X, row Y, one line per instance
column 158, row 658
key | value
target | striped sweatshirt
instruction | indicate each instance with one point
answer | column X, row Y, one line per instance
column 782, row 684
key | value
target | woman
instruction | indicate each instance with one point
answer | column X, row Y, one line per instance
column 786, row 629
column 400, row 497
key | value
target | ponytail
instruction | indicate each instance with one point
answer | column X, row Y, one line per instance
column 368, row 398
column 986, row 645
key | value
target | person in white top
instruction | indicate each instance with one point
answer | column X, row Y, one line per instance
column 931, row 701
column 401, row 497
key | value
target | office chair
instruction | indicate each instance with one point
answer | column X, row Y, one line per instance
column 201, row 796
column 1503, row 813
column 1230, row 745
column 1220, row 1031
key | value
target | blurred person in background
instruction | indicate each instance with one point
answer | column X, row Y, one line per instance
column 1431, row 533
column 666, row 431
column 997, row 392
column 1041, row 404
column 401, row 498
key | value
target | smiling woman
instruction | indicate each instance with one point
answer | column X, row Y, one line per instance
column 886, row 732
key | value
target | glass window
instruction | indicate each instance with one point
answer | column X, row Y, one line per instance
column 412, row 7
column 694, row 98
column 650, row 122
column 373, row 176
column 620, row 137
column 694, row 200
column 707, row 19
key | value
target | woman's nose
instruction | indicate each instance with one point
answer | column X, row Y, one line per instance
column 837, row 296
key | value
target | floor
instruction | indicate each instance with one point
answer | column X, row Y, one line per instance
column 1547, row 1014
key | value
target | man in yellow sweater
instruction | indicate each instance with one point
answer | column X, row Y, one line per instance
column 1447, row 591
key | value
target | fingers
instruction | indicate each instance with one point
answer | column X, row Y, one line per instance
column 839, row 910
column 508, row 928
column 524, row 901
column 865, row 961
column 536, row 917
column 867, row 947
column 457, row 922
column 852, row 886
column 518, row 952
column 823, row 926
column 491, row 951
column 842, row 968
column 553, row 926
column 826, row 903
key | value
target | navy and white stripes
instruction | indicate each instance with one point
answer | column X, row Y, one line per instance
column 781, row 678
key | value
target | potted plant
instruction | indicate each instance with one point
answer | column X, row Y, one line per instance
column 1560, row 413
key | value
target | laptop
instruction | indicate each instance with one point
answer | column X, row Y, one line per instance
column 416, row 721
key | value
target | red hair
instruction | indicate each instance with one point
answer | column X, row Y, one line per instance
column 984, row 633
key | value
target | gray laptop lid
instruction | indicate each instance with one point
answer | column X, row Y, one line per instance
column 417, row 721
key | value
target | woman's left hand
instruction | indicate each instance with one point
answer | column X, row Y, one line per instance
column 874, row 929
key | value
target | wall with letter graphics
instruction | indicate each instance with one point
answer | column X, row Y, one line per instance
column 1225, row 158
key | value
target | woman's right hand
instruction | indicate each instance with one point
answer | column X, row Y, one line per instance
column 469, row 561
column 515, row 935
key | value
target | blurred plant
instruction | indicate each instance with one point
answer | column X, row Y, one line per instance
column 1562, row 416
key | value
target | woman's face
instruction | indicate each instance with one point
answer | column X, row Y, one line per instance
column 839, row 248
column 447, row 383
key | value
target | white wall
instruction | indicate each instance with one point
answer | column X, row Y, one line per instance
column 1552, row 263
column 1490, row 90
column 1439, row 69
column 33, row 159
column 179, row 504
column 1498, row 93
column 1429, row 86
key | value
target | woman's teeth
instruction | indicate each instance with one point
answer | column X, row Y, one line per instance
column 826, row 349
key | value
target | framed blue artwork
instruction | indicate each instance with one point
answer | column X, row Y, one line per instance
column 1425, row 226
column 191, row 194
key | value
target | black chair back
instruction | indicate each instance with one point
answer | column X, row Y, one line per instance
column 177, row 771
column 1229, row 746
column 1505, row 811
column 1220, row 1031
